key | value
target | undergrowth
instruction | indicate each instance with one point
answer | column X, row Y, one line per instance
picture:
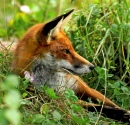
column 22, row 104
column 101, row 34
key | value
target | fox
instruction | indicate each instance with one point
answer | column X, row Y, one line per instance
column 48, row 55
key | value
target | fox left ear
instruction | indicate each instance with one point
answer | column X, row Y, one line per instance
column 51, row 28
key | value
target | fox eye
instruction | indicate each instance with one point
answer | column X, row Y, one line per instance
column 66, row 51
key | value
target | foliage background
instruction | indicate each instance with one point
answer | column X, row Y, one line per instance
column 99, row 31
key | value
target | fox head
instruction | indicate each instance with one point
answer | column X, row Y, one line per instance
column 47, row 45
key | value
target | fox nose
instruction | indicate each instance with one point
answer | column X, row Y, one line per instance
column 91, row 67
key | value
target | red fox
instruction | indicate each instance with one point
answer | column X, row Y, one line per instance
column 47, row 53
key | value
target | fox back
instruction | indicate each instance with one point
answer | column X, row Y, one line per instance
column 47, row 53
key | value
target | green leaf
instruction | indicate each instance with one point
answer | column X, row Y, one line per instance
column 50, row 92
column 124, row 89
column 56, row 115
column 114, row 85
column 38, row 118
column 3, row 120
column 12, row 99
column 25, row 102
column 69, row 94
column 116, row 91
column 73, row 98
column 13, row 116
column 44, row 108
column 24, row 94
column 12, row 81
column 81, row 121
column 76, row 107
column 109, row 75
column 48, row 122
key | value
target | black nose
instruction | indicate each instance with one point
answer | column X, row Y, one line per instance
column 91, row 67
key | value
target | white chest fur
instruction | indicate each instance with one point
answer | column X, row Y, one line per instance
column 58, row 80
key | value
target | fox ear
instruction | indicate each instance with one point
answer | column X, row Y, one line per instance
column 51, row 28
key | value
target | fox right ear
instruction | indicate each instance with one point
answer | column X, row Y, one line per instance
column 52, row 28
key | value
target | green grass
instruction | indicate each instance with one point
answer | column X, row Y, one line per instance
column 101, row 34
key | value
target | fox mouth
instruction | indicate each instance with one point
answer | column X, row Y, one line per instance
column 72, row 72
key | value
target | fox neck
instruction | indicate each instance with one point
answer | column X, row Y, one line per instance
column 44, row 75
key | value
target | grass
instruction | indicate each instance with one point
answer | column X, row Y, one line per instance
column 100, row 33
column 102, row 36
